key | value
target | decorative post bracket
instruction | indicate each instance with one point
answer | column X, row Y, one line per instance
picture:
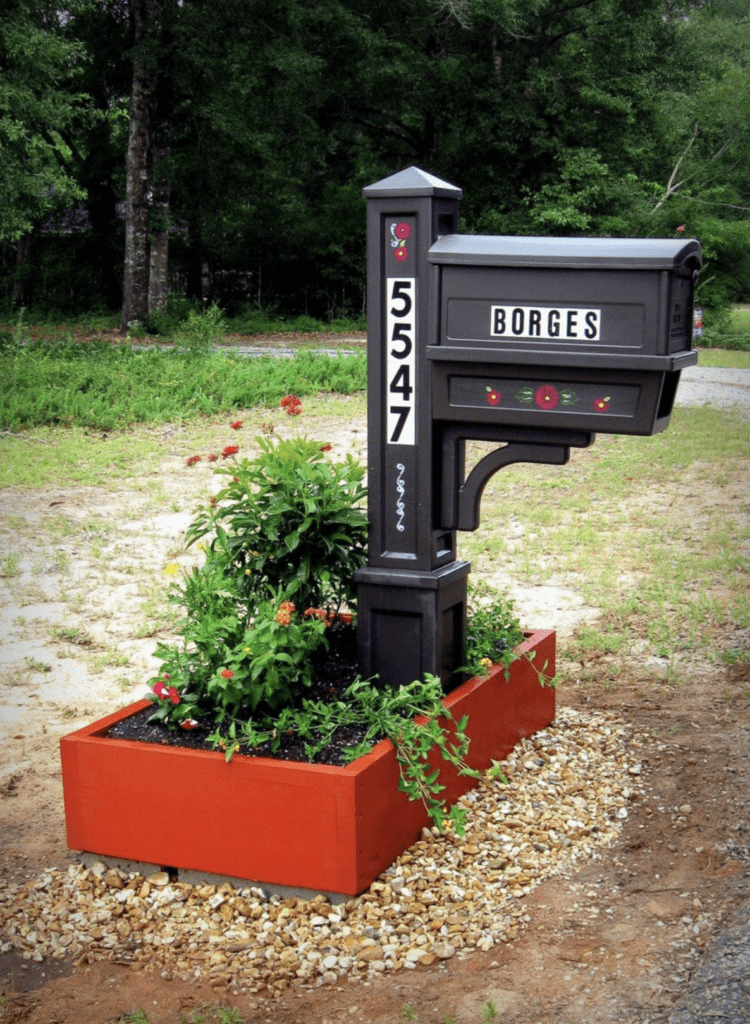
column 461, row 495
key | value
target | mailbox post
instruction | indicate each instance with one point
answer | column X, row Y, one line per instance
column 412, row 594
column 534, row 343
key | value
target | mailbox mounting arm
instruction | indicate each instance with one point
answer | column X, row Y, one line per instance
column 460, row 498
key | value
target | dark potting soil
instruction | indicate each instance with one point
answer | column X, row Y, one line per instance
column 333, row 671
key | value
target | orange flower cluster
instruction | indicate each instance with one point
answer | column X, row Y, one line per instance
column 320, row 613
column 284, row 614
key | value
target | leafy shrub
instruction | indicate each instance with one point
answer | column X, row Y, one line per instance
column 288, row 538
column 492, row 630
column 288, row 522
column 200, row 330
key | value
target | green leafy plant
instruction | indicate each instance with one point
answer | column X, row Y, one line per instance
column 289, row 521
column 493, row 630
column 287, row 537
column 200, row 330
column 283, row 539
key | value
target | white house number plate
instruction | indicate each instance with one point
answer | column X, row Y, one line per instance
column 401, row 326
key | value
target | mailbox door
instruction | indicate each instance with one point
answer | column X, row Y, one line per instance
column 565, row 398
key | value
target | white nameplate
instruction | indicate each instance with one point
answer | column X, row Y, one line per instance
column 545, row 323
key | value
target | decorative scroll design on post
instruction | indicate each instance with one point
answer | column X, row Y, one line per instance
column 401, row 488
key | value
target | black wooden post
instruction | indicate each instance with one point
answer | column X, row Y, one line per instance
column 412, row 594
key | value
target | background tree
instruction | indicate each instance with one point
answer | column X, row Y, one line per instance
column 217, row 151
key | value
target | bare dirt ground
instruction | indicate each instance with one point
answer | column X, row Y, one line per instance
column 613, row 941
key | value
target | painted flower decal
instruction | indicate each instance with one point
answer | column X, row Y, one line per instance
column 402, row 230
column 400, row 254
column 602, row 404
column 525, row 395
column 547, row 397
column 493, row 396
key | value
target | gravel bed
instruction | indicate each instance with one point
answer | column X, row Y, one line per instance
column 568, row 793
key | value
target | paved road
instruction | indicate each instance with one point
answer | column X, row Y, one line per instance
column 710, row 385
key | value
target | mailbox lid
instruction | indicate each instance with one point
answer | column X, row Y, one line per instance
column 579, row 253
column 626, row 302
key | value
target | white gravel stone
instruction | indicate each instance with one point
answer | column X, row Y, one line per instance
column 566, row 798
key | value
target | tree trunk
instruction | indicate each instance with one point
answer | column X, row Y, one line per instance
column 135, row 277
column 158, row 284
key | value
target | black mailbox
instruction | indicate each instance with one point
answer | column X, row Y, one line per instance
column 578, row 333
column 531, row 343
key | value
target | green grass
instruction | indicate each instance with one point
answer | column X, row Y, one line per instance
column 724, row 358
column 101, row 387
column 611, row 527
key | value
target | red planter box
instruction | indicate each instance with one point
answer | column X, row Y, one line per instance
column 286, row 823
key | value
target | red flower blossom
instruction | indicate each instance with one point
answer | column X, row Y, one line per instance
column 231, row 449
column 173, row 695
column 192, row 460
column 227, row 673
column 291, row 404
column 160, row 689
column 325, row 448
column 319, row 613
column 189, row 723
column 547, row 397
column 236, row 425
column 681, row 229
column 212, row 457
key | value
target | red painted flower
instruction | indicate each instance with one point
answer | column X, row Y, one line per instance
column 231, row 449
column 602, row 404
column 400, row 254
column 402, row 230
column 493, row 396
column 236, row 425
column 192, row 460
column 547, row 397
column 226, row 673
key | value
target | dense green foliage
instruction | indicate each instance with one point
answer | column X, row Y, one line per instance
column 101, row 386
column 595, row 117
